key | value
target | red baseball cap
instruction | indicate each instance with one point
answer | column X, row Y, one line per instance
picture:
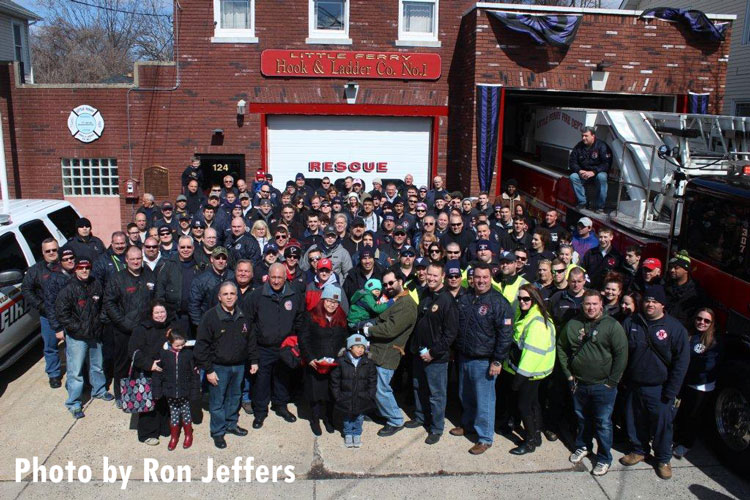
column 260, row 175
column 652, row 264
column 325, row 264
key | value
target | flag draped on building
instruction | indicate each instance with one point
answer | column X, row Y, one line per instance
column 488, row 105
column 698, row 103
column 556, row 30
column 695, row 20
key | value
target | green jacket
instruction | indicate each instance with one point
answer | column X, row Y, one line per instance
column 388, row 337
column 604, row 356
column 363, row 306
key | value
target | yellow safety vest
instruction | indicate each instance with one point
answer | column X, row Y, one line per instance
column 510, row 291
column 535, row 338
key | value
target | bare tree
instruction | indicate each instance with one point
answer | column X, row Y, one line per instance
column 88, row 43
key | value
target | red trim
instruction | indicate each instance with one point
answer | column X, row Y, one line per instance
column 499, row 159
column 264, row 109
column 263, row 143
column 435, row 143
column 682, row 103
column 347, row 109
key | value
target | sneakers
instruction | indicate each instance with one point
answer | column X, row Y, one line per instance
column 77, row 413
column 600, row 469
column 106, row 397
column 479, row 448
column 389, row 430
column 432, row 438
column 349, row 441
column 55, row 382
column 152, row 441
column 664, row 471
column 578, row 455
column 357, row 441
column 632, row 459
column 679, row 451
column 413, row 424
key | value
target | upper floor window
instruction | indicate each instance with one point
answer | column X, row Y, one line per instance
column 418, row 23
column 329, row 22
column 234, row 21
column 21, row 51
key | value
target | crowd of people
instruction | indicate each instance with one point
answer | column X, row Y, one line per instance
column 259, row 296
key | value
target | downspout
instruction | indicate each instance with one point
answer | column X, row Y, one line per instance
column 178, row 9
column 3, row 172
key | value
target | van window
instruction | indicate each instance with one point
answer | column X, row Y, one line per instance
column 11, row 256
column 35, row 233
column 65, row 220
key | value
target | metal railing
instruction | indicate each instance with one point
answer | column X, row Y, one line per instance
column 622, row 182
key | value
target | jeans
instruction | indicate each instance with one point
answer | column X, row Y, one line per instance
column 476, row 390
column 580, row 191
column 593, row 405
column 51, row 355
column 271, row 382
column 386, row 401
column 224, row 398
column 430, row 393
column 647, row 417
column 353, row 425
column 77, row 352
column 247, row 385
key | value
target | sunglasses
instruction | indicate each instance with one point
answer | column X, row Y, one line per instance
column 83, row 268
column 313, row 259
column 558, row 271
column 454, row 276
column 389, row 283
column 68, row 259
column 457, row 224
column 524, row 299
column 435, row 251
column 51, row 250
column 453, row 252
column 221, row 257
column 426, row 223
column 185, row 247
column 522, row 259
column 150, row 246
column 262, row 191
column 700, row 319
column 324, row 270
column 289, row 257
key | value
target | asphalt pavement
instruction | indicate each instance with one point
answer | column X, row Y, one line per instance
column 90, row 457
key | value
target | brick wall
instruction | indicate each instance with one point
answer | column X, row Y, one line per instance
column 167, row 126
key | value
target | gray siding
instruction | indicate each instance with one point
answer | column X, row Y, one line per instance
column 738, row 72
column 6, row 38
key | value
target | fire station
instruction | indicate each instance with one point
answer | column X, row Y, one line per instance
column 343, row 87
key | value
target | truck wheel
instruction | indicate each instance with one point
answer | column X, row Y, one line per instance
column 732, row 424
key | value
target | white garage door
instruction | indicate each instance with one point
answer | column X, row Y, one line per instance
column 361, row 146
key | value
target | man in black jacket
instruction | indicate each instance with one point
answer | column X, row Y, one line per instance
column 436, row 329
column 32, row 289
column 684, row 295
column 602, row 260
column 204, row 287
column 78, row 308
column 112, row 260
column 174, row 280
column 226, row 341
column 590, row 161
column 366, row 268
column 242, row 244
column 126, row 300
column 658, row 359
column 52, row 288
column 275, row 311
column 84, row 244
column 483, row 343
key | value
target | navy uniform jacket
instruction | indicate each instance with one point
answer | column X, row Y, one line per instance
column 597, row 158
column 645, row 367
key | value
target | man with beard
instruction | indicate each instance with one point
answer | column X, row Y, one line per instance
column 388, row 339
column 366, row 268
column 353, row 242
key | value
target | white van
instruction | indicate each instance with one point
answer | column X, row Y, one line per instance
column 21, row 236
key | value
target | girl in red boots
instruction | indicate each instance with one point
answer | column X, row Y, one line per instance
column 179, row 382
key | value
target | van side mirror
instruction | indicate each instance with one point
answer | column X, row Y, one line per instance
column 12, row 277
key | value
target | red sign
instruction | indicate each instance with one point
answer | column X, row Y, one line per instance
column 342, row 166
column 350, row 64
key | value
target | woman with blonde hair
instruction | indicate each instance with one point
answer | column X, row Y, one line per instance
column 260, row 232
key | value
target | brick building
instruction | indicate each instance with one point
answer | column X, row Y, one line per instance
column 402, row 115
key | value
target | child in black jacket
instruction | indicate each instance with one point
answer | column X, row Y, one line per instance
column 353, row 385
column 179, row 382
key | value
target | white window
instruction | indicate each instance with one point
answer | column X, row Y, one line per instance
column 234, row 21
column 329, row 22
column 418, row 23
column 90, row 177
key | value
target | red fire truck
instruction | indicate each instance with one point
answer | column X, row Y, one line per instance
column 678, row 182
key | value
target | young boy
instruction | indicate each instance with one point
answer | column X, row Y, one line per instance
column 353, row 385
column 366, row 305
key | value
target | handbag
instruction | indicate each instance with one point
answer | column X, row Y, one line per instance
column 289, row 352
column 136, row 392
